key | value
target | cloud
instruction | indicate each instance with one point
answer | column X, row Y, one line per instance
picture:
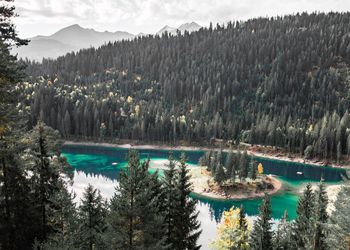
column 37, row 16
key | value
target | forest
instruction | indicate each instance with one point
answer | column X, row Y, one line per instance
column 280, row 81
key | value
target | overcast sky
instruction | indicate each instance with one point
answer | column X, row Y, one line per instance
column 44, row 17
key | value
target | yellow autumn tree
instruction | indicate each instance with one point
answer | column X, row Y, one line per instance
column 260, row 168
column 230, row 234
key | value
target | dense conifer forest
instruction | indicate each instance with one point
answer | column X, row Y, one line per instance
column 281, row 81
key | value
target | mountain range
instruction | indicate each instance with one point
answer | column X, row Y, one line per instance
column 75, row 37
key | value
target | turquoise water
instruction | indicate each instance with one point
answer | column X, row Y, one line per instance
column 100, row 166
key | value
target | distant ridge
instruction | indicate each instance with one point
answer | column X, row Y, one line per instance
column 190, row 27
column 75, row 37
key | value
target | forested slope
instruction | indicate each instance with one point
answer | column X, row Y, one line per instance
column 280, row 81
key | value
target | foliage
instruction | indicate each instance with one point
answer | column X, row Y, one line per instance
column 260, row 169
column 187, row 223
column 303, row 227
column 92, row 220
column 282, row 238
column 279, row 81
column 262, row 234
column 230, row 233
column 136, row 219
column 321, row 219
column 339, row 222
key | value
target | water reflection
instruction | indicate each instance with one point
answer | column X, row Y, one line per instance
column 100, row 166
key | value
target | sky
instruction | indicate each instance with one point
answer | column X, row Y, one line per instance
column 44, row 17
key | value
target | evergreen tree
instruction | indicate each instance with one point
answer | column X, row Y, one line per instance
column 48, row 168
column 282, row 239
column 219, row 176
column 186, row 219
column 321, row 218
column 339, row 222
column 136, row 217
column 244, row 166
column 253, row 169
column 243, row 240
column 10, row 70
column 17, row 217
column 92, row 220
column 65, row 221
column 229, row 164
column 262, row 235
column 302, row 230
column 171, row 199
column 242, row 219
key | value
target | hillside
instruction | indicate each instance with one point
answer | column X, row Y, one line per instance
column 275, row 81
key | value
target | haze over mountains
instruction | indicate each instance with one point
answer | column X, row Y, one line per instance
column 75, row 37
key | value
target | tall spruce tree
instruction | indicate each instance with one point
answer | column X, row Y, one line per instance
column 92, row 220
column 17, row 216
column 47, row 167
column 338, row 237
column 282, row 240
column 262, row 234
column 321, row 218
column 244, row 166
column 219, row 176
column 136, row 217
column 303, row 226
column 171, row 201
column 186, row 220
column 66, row 223
column 243, row 225
column 10, row 70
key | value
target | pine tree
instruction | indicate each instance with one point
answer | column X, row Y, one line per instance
column 243, row 240
column 10, row 70
column 18, row 219
column 186, row 220
column 302, row 230
column 242, row 219
column 47, row 168
column 339, row 222
column 65, row 221
column 92, row 220
column 136, row 217
column 282, row 239
column 170, row 189
column 253, row 169
column 244, row 165
column 219, row 176
column 262, row 235
column 229, row 164
column 321, row 218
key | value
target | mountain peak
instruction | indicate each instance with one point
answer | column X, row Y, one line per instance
column 167, row 28
column 190, row 27
column 73, row 27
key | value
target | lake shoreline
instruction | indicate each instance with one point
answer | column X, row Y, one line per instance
column 199, row 148
column 201, row 188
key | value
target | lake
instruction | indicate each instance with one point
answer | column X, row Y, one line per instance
column 100, row 166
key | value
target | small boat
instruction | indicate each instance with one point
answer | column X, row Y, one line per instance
column 299, row 173
column 114, row 163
